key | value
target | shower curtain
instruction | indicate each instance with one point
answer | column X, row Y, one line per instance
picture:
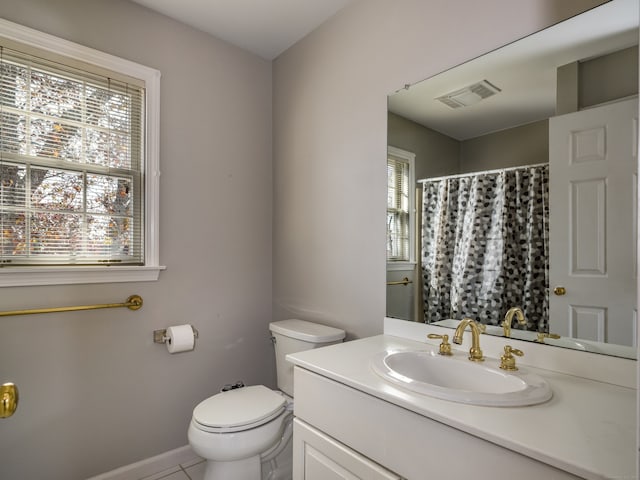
column 485, row 243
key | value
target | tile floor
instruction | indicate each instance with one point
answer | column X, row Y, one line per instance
column 193, row 470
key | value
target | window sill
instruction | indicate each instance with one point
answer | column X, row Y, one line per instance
column 31, row 276
column 400, row 266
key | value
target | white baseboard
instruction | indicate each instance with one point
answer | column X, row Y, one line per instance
column 149, row 466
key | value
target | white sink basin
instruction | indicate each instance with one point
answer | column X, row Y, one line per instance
column 459, row 380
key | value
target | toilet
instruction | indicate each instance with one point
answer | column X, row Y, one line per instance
column 245, row 433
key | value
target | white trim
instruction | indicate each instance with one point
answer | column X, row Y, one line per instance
column 31, row 276
column 22, row 276
column 183, row 456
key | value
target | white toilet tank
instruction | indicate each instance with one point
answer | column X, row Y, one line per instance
column 292, row 336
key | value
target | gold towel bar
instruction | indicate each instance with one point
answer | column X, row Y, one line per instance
column 134, row 302
column 404, row 281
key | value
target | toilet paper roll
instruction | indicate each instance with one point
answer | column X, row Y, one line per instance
column 180, row 338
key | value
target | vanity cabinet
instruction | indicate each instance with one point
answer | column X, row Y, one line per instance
column 319, row 457
column 342, row 432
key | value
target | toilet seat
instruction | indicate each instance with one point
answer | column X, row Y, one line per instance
column 237, row 410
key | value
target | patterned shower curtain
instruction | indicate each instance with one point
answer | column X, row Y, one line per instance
column 485, row 243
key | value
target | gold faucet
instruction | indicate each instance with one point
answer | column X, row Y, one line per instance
column 475, row 353
column 508, row 318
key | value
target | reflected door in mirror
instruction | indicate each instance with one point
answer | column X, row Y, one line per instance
column 593, row 183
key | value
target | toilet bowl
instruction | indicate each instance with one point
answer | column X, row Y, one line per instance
column 235, row 427
column 245, row 433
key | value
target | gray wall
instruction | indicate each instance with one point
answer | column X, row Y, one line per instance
column 330, row 138
column 597, row 80
column 517, row 146
column 436, row 154
column 96, row 393
column 608, row 77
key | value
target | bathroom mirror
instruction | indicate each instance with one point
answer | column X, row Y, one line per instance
column 537, row 114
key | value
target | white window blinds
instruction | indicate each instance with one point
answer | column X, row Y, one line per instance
column 71, row 164
column 397, row 209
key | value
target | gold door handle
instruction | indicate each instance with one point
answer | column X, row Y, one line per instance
column 560, row 291
column 8, row 399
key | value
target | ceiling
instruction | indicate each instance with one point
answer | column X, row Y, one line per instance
column 264, row 27
column 524, row 71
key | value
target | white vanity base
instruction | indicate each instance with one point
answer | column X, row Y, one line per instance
column 411, row 445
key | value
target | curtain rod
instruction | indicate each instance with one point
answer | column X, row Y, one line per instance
column 484, row 172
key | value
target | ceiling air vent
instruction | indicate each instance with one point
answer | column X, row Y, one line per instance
column 469, row 95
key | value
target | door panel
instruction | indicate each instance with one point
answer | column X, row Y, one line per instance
column 592, row 227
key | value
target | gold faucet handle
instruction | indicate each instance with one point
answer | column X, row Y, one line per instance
column 507, row 360
column 445, row 346
column 542, row 336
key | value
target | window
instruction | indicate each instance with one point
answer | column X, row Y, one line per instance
column 78, row 163
column 400, row 206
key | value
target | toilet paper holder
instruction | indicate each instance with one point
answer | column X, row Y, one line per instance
column 160, row 336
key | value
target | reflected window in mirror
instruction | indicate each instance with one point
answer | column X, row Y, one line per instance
column 400, row 206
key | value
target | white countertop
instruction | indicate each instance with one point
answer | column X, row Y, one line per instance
column 588, row 428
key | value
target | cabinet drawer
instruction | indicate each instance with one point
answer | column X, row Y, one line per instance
column 317, row 456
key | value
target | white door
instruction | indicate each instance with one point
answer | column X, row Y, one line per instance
column 592, row 227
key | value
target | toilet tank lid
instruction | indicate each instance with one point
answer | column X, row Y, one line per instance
column 307, row 331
